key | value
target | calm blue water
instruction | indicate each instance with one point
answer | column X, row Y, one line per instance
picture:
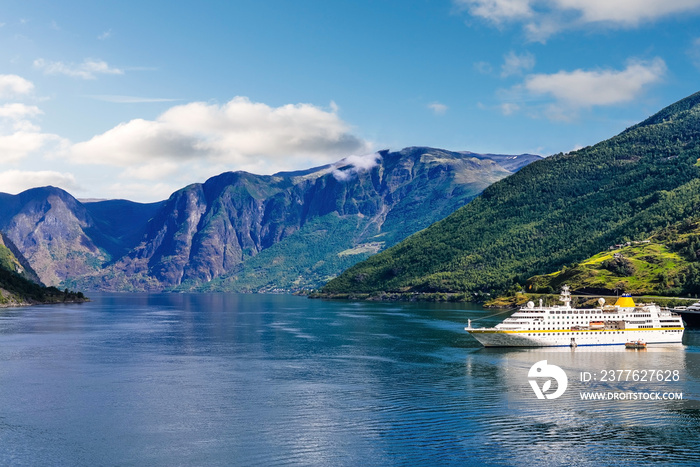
column 280, row 380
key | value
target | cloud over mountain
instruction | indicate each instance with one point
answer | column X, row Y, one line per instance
column 248, row 135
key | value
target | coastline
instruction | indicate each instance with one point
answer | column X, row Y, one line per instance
column 52, row 297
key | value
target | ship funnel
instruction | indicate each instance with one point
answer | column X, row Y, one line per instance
column 625, row 301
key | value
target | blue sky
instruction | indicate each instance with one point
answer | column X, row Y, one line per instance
column 137, row 99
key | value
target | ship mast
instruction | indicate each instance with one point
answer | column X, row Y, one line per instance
column 565, row 296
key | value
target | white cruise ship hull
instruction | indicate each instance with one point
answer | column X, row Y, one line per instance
column 491, row 337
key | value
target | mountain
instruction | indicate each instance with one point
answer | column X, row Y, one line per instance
column 62, row 238
column 18, row 282
column 244, row 232
column 554, row 212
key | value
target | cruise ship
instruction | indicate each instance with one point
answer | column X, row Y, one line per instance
column 562, row 325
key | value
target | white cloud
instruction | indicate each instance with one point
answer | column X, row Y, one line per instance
column 542, row 18
column 16, row 181
column 89, row 69
column 12, row 85
column 142, row 192
column 628, row 12
column 105, row 35
column 243, row 134
column 17, row 111
column 19, row 136
column 438, row 108
column 351, row 165
column 151, row 171
column 498, row 11
column 18, row 145
column 484, row 68
column 509, row 108
column 514, row 64
column 560, row 96
column 581, row 88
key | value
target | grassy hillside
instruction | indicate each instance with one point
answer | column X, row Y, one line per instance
column 665, row 265
column 552, row 213
column 648, row 268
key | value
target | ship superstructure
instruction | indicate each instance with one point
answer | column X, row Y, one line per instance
column 562, row 325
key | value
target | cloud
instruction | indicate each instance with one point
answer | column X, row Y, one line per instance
column 498, row 11
column 246, row 135
column 17, row 181
column 18, row 145
column 89, row 69
column 542, row 18
column 484, row 68
column 17, row 111
column 19, row 136
column 345, row 168
column 105, row 35
column 509, row 108
column 152, row 171
column 514, row 64
column 438, row 108
column 560, row 96
column 580, row 88
column 13, row 85
column 142, row 192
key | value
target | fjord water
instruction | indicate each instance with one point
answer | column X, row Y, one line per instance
column 221, row 379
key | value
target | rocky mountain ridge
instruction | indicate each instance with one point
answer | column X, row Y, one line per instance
column 246, row 232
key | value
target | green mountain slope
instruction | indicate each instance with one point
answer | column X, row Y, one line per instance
column 553, row 212
column 639, row 269
column 12, row 260
column 665, row 265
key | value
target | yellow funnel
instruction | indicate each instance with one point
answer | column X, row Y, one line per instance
column 625, row 302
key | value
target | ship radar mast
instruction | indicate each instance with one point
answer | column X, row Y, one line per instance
column 565, row 296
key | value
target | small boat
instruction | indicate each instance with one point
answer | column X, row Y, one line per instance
column 636, row 345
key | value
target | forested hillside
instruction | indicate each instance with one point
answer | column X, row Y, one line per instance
column 552, row 213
